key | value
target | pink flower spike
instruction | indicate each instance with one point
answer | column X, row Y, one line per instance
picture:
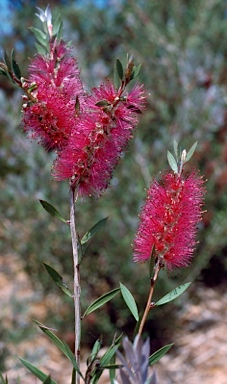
column 51, row 115
column 169, row 218
column 99, row 138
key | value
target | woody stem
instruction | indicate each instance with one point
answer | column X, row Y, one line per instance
column 76, row 295
column 149, row 305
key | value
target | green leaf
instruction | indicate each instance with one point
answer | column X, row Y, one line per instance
column 175, row 148
column 112, row 367
column 40, row 49
column 136, row 71
column 172, row 162
column 52, row 211
column 3, row 381
column 40, row 36
column 64, row 348
column 7, row 60
column 60, row 31
column 3, row 72
column 47, row 380
column 95, row 349
column 15, row 66
column 7, row 74
column 36, row 372
column 101, row 301
column 104, row 361
column 57, row 24
column 151, row 262
column 119, row 69
column 2, row 378
column 173, row 294
column 73, row 376
column 92, row 357
column 106, row 358
column 130, row 301
column 116, row 79
column 57, row 279
column 191, row 151
column 95, row 229
column 93, row 361
column 156, row 356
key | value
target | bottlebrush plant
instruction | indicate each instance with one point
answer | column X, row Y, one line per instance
column 89, row 132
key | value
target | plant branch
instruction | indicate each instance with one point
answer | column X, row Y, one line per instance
column 76, row 285
column 157, row 268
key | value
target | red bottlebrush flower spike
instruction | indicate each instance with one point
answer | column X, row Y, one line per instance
column 168, row 220
column 101, row 134
column 51, row 115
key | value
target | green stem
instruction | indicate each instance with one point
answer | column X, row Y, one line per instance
column 76, row 281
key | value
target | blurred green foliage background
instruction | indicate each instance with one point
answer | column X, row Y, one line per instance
column 182, row 47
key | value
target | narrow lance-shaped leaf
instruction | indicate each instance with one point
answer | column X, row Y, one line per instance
column 151, row 262
column 116, row 79
column 3, row 381
column 108, row 355
column 156, row 356
column 73, row 376
column 136, row 71
column 7, row 60
column 3, row 71
column 173, row 294
column 7, row 74
column 40, row 49
column 47, row 380
column 92, row 357
column 112, row 369
column 101, row 301
column 35, row 371
column 119, row 69
column 92, row 232
column 60, row 31
column 175, row 148
column 57, row 24
column 15, row 66
column 88, row 236
column 104, row 361
column 191, row 151
column 40, row 36
column 172, row 162
column 130, row 301
column 57, row 279
column 52, row 210
column 64, row 348
column 96, row 349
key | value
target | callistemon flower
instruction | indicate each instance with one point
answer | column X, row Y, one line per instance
column 101, row 134
column 50, row 114
column 169, row 218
